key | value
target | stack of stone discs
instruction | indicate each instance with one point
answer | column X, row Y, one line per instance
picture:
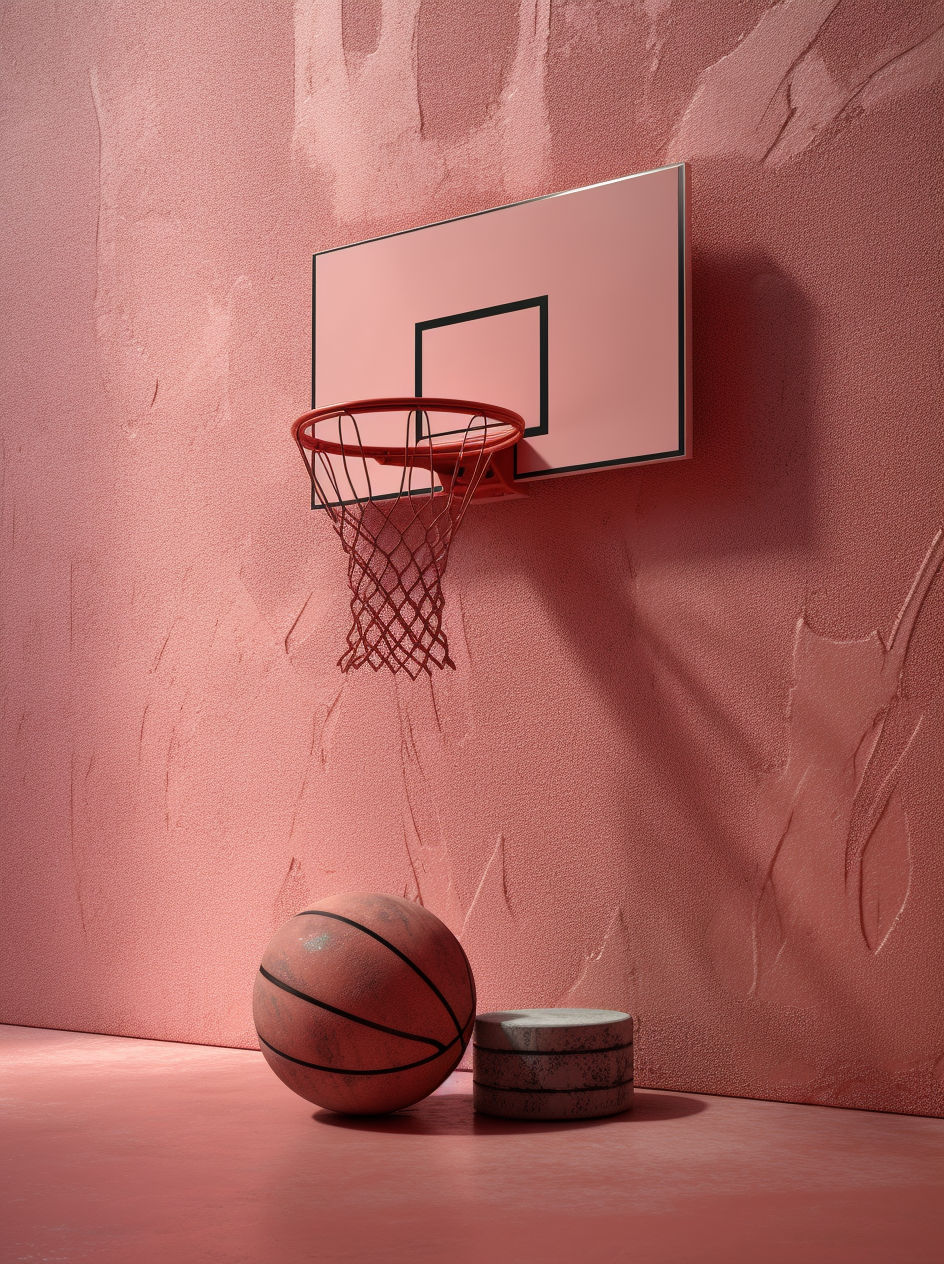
column 553, row 1063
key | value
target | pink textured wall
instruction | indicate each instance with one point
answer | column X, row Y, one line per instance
column 690, row 760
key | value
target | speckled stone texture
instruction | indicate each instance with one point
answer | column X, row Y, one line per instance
column 553, row 1063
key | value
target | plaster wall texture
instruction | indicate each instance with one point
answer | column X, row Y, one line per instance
column 689, row 762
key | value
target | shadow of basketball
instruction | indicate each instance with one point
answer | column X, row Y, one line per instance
column 451, row 1115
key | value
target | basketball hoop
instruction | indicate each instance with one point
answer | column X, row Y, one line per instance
column 398, row 540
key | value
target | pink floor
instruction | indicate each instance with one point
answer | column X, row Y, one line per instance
column 138, row 1151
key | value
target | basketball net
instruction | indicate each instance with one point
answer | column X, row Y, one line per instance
column 398, row 545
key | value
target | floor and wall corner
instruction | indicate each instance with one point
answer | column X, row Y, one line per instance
column 688, row 762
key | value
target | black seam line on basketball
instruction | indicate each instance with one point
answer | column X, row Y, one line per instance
column 343, row 1013
column 387, row 944
column 468, row 970
column 314, row 1066
column 458, row 1058
column 587, row 1088
column 553, row 1053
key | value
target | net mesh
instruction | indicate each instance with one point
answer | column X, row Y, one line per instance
column 398, row 545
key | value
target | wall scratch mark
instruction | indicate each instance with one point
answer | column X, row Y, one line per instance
column 71, row 606
column 409, row 754
column 886, row 874
column 818, row 101
column 784, row 83
column 164, row 643
column 429, row 860
column 607, row 977
column 97, row 108
column 306, row 774
column 329, row 724
column 903, row 629
column 781, row 130
column 296, row 621
column 168, row 762
column 773, row 95
column 144, row 716
column 460, row 606
column 412, row 813
column 768, row 926
column 867, row 809
column 418, row 890
column 733, row 105
column 465, row 668
column 292, row 894
column 432, row 698
column 493, row 883
column 932, row 39
column 76, row 868
column 840, row 855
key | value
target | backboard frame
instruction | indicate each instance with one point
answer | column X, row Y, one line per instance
column 539, row 302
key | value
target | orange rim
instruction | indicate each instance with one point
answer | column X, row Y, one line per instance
column 511, row 428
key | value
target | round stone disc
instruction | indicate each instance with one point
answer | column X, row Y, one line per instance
column 504, row 1069
column 553, row 1063
column 557, row 1030
column 577, row 1104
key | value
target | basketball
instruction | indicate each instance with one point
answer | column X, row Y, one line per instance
column 364, row 1003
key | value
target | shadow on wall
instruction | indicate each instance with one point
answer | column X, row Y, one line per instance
column 673, row 590
column 667, row 666
column 748, row 490
column 750, row 487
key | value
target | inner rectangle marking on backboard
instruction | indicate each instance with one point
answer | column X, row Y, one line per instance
column 482, row 371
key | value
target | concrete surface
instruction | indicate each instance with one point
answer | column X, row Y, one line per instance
column 123, row 1151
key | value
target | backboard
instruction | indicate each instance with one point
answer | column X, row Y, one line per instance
column 570, row 309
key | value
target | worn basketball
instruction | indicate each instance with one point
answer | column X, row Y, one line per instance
column 364, row 1003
